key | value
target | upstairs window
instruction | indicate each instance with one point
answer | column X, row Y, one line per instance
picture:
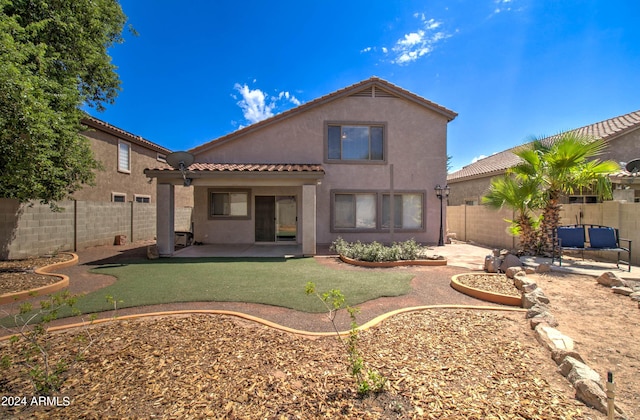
column 124, row 157
column 355, row 142
column 118, row 197
column 142, row 198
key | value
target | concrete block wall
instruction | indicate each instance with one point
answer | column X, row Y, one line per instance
column 144, row 222
column 625, row 216
column 485, row 226
column 28, row 230
column 99, row 223
column 35, row 229
column 481, row 225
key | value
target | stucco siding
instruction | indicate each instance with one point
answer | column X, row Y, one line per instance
column 415, row 148
column 467, row 191
column 135, row 183
column 235, row 231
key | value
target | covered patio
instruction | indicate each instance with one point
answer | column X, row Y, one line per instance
column 241, row 209
column 240, row 250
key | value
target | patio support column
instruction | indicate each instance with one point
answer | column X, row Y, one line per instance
column 309, row 219
column 165, row 230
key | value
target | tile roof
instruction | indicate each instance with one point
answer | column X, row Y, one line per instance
column 250, row 167
column 500, row 162
column 97, row 124
column 384, row 87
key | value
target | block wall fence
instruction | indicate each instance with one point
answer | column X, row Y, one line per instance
column 485, row 226
column 33, row 229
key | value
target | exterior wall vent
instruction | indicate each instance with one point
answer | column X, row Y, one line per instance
column 374, row 92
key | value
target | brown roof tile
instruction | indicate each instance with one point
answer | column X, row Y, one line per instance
column 95, row 123
column 500, row 162
column 251, row 167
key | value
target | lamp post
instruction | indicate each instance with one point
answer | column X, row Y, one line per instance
column 440, row 193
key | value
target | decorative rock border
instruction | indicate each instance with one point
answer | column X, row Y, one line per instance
column 50, row 288
column 386, row 264
column 483, row 294
column 586, row 381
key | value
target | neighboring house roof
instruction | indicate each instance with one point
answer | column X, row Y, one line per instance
column 498, row 163
column 97, row 124
column 371, row 87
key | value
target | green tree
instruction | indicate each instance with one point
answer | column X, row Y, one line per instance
column 522, row 196
column 564, row 164
column 53, row 61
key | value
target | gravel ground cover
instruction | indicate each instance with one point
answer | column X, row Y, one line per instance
column 19, row 275
column 439, row 364
column 495, row 283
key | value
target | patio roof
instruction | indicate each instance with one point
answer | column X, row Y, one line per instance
column 212, row 170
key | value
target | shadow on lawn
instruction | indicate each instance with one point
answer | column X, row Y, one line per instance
column 139, row 256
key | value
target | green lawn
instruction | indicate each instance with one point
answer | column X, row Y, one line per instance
column 270, row 281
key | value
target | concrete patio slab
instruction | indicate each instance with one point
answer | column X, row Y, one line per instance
column 240, row 250
column 458, row 254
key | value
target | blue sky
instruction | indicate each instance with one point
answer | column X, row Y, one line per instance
column 511, row 69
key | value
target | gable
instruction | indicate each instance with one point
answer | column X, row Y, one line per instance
column 373, row 88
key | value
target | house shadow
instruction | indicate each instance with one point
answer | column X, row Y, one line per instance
column 138, row 255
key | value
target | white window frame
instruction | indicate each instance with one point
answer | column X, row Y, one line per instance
column 121, row 167
column 136, row 198
column 117, row 194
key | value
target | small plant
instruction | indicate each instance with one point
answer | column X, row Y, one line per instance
column 367, row 380
column 45, row 370
column 46, row 375
column 113, row 301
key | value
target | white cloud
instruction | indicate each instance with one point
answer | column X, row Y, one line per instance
column 257, row 105
column 418, row 43
column 502, row 6
column 477, row 158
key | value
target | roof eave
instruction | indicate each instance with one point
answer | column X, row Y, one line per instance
column 330, row 97
column 175, row 174
column 97, row 124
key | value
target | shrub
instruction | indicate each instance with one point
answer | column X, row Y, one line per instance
column 377, row 252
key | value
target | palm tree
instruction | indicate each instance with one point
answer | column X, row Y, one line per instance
column 564, row 164
column 520, row 195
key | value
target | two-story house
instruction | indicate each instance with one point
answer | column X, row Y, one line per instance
column 361, row 163
column 123, row 157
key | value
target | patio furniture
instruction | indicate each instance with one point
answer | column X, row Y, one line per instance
column 599, row 238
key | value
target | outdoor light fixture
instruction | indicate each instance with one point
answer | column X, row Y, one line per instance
column 440, row 193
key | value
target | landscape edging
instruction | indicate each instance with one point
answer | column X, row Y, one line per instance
column 483, row 294
column 50, row 288
column 400, row 263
